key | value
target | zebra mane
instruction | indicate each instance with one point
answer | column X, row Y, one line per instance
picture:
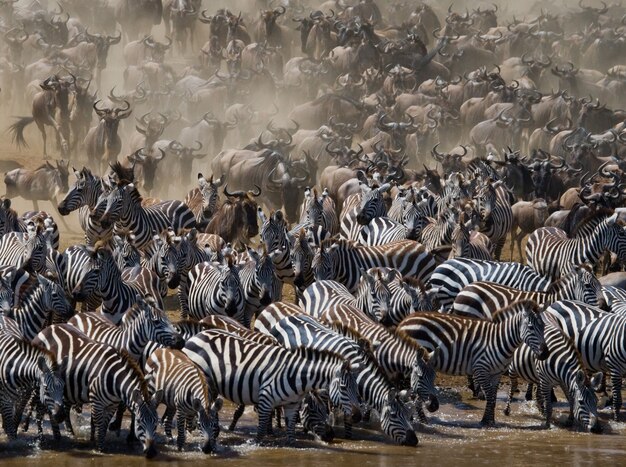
column 573, row 346
column 135, row 195
column 49, row 356
column 132, row 363
column 503, row 313
column 415, row 283
column 123, row 175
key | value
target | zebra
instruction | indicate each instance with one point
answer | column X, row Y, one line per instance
column 102, row 376
column 450, row 277
column 125, row 253
column 439, row 233
column 275, row 237
column 301, row 256
column 23, row 367
column 259, row 283
column 142, row 323
column 494, row 206
column 204, row 200
column 119, row 290
column 370, row 205
column 600, row 338
column 216, row 289
column 76, row 272
column 186, row 394
column 274, row 376
column 395, row 354
column 343, row 260
column 550, row 252
column 483, row 299
column 84, row 196
column 301, row 330
column 316, row 417
column 615, row 298
column 37, row 301
column 372, row 296
column 407, row 295
column 53, row 237
column 272, row 314
column 478, row 348
column 382, row 230
column 123, row 207
column 18, row 248
column 563, row 368
column 475, row 245
column 319, row 211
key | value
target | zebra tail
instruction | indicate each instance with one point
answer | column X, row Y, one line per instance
column 17, row 129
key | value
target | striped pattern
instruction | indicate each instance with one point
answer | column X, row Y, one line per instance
column 481, row 349
column 550, row 252
column 494, row 206
column 259, row 283
column 370, row 205
column 267, row 376
column 319, row 211
column 382, row 230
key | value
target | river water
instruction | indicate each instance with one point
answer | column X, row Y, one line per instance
column 452, row 438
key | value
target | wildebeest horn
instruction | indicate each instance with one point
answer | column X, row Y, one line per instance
column 234, row 194
column 252, row 193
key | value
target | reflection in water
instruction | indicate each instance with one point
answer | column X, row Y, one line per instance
column 453, row 437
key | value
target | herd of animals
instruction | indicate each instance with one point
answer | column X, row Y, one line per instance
column 372, row 156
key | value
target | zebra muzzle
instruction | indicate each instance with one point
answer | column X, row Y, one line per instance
column 410, row 439
column 150, row 450
column 433, row 403
column 356, row 414
column 544, row 352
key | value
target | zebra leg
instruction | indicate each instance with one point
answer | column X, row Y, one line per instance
column 8, row 418
column 24, row 401
column 180, row 427
column 264, row 411
column 509, row 399
column 116, row 423
column 277, row 414
column 529, row 392
column 68, row 421
column 168, row 416
column 132, row 437
column 545, row 391
column 291, row 411
column 100, row 417
column 419, row 409
column 489, row 384
column 236, row 416
column 616, row 388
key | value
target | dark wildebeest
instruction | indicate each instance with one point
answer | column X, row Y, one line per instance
column 50, row 107
column 236, row 219
column 102, row 143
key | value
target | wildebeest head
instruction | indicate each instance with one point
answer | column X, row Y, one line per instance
column 149, row 162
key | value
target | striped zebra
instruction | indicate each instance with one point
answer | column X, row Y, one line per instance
column 395, row 354
column 450, row 277
column 371, row 204
column 382, row 230
column 301, row 255
column 38, row 300
column 474, row 245
column 439, row 233
column 372, row 296
column 600, row 338
column 316, row 417
column 275, row 237
column 477, row 348
column 272, row 314
column 8, row 217
column 17, row 248
column 273, row 376
column 483, row 299
column 125, row 253
column 204, row 200
column 319, row 211
column 103, row 377
column 23, row 368
column 563, row 368
column 615, row 298
column 124, row 209
column 119, row 289
column 494, row 205
column 142, row 323
column 186, row 394
column 376, row 391
column 343, row 260
column 550, row 252
column 259, row 283
column 75, row 270
column 216, row 289
column 84, row 196
column 407, row 295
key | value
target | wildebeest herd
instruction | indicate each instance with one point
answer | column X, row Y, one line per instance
column 373, row 157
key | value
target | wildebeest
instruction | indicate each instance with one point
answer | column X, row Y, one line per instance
column 102, row 143
column 236, row 219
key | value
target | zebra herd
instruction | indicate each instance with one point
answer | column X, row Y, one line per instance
column 374, row 319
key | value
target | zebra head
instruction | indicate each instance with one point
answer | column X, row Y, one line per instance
column 264, row 275
column 81, row 266
column 54, row 299
column 616, row 238
column 372, row 203
column 486, row 198
column 344, row 392
column 146, row 419
column 421, row 300
column 414, row 218
column 375, row 288
column 324, row 262
column 395, row 421
column 157, row 325
column 423, row 373
column 210, row 196
column 532, row 330
column 8, row 217
column 84, row 192
column 7, row 296
column 230, row 291
column 125, row 252
column 208, row 419
column 52, row 385
column 316, row 416
column 588, row 288
column 274, row 231
column 118, row 203
column 301, row 258
column 170, row 257
column 313, row 207
column 585, row 402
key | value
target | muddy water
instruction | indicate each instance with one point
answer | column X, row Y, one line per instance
column 453, row 437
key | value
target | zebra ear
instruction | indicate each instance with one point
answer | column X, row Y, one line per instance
column 433, row 357
column 197, row 404
column 136, row 396
column 580, row 377
column 42, row 365
column 596, row 380
column 157, row 398
column 218, row 404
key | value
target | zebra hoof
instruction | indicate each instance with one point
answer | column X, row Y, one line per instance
column 507, row 411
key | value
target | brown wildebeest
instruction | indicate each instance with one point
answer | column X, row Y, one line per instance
column 236, row 219
column 102, row 142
